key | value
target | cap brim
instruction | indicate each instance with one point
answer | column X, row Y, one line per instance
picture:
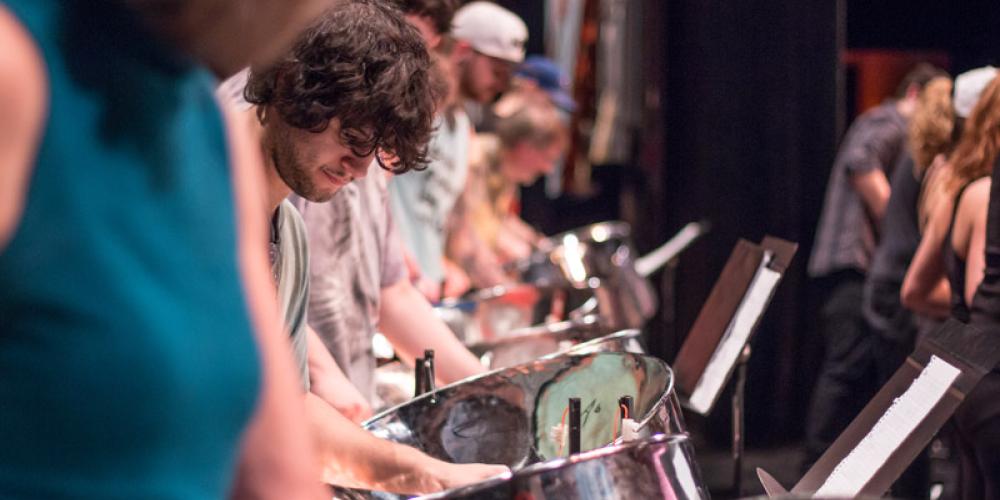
column 511, row 56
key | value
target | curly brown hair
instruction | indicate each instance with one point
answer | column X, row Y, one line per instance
column 930, row 129
column 363, row 64
column 440, row 12
column 980, row 143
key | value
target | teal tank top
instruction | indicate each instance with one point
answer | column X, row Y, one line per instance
column 128, row 368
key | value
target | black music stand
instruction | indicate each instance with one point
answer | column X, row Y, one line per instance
column 718, row 343
column 937, row 376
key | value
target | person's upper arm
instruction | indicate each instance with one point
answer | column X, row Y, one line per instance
column 869, row 151
column 926, row 271
column 873, row 188
column 23, row 104
column 873, row 142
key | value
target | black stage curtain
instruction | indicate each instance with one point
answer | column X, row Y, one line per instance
column 749, row 101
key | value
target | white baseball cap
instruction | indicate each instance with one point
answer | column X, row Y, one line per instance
column 968, row 87
column 491, row 30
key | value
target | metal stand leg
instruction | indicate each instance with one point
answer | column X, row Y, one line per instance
column 739, row 404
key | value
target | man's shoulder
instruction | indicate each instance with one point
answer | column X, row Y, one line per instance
column 290, row 221
column 881, row 114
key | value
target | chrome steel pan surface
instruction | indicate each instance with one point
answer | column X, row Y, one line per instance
column 660, row 467
column 599, row 258
column 513, row 416
column 516, row 416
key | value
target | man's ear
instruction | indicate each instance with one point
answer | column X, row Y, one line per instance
column 913, row 91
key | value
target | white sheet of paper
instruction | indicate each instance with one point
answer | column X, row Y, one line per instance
column 888, row 434
column 649, row 263
column 716, row 373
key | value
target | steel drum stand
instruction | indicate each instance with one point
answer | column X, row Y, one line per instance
column 739, row 407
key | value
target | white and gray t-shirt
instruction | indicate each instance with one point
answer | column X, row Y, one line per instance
column 422, row 201
column 355, row 253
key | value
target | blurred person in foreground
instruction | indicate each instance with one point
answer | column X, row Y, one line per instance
column 486, row 44
column 849, row 226
column 354, row 91
column 141, row 354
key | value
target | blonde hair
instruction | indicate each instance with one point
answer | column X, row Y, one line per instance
column 930, row 129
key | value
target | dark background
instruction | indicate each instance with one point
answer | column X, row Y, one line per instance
column 752, row 98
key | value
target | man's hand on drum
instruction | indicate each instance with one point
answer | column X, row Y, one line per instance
column 455, row 475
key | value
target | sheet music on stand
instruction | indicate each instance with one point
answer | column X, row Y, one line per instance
column 728, row 320
column 653, row 261
column 902, row 418
column 736, row 336
column 907, row 411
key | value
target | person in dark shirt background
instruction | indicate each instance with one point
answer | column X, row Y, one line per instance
column 855, row 204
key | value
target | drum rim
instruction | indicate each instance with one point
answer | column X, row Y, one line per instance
column 558, row 463
column 627, row 333
column 556, row 329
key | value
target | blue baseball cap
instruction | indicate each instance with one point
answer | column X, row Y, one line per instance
column 549, row 78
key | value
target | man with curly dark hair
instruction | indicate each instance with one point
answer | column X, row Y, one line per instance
column 365, row 82
column 353, row 91
column 358, row 281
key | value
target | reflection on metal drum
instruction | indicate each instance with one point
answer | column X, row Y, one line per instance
column 659, row 467
column 516, row 416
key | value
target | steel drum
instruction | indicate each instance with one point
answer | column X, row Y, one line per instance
column 660, row 467
column 491, row 313
column 599, row 258
column 623, row 341
column 526, row 344
column 516, row 416
column 555, row 339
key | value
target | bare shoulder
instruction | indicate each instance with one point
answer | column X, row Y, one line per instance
column 978, row 193
column 974, row 202
column 23, row 96
column 971, row 213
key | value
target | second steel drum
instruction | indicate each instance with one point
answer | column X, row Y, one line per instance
column 599, row 258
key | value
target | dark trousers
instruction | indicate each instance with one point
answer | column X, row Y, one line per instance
column 977, row 422
column 847, row 378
